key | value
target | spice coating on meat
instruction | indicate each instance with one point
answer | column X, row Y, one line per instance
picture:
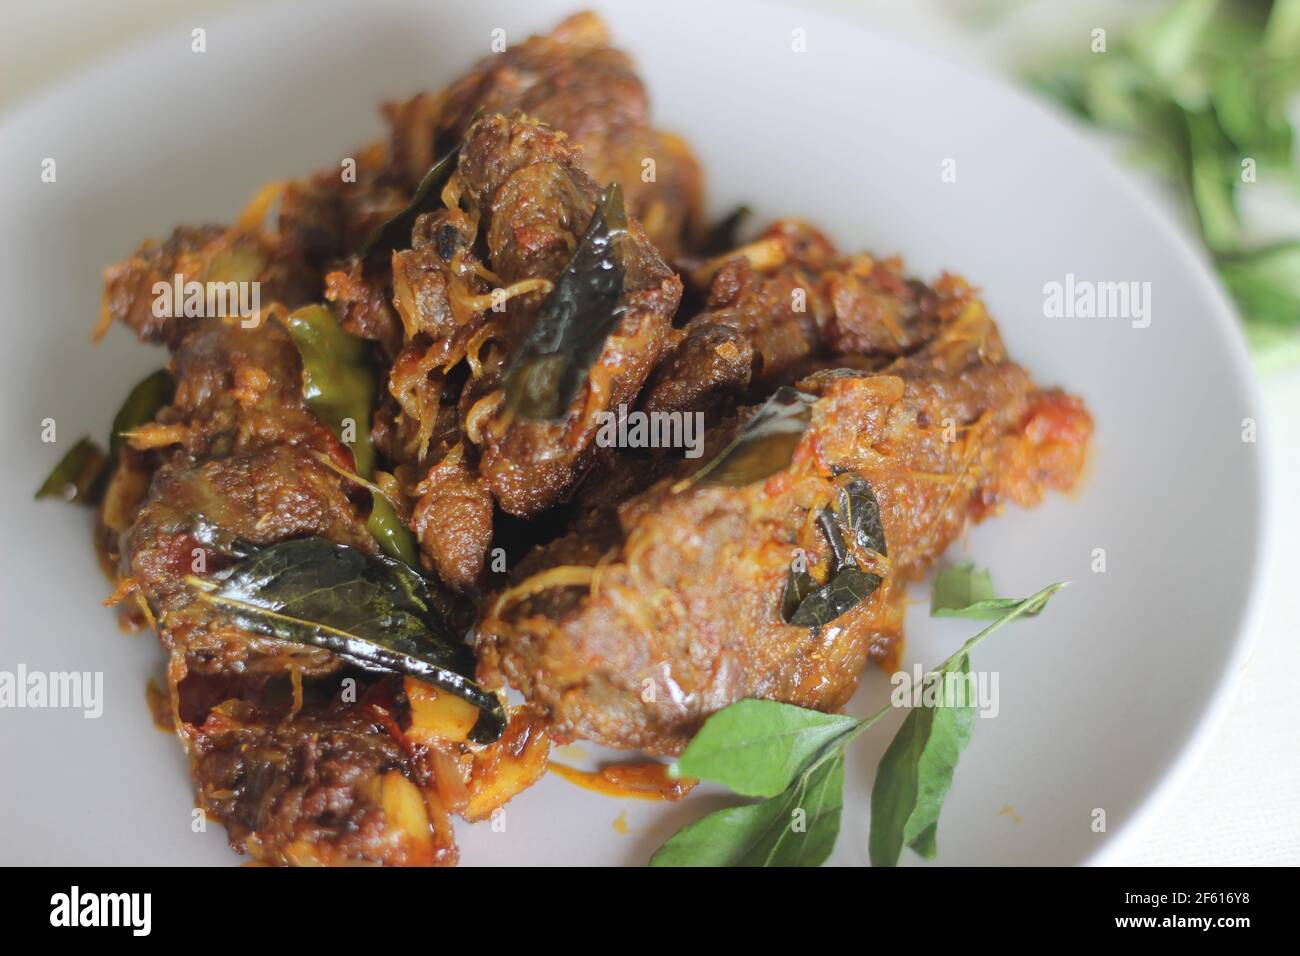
column 533, row 200
column 649, row 616
column 572, row 80
column 653, row 597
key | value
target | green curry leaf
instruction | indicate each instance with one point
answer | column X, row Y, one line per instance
column 795, row 758
column 757, row 748
column 1206, row 90
column 798, row 827
column 82, row 473
column 915, row 775
column 962, row 590
column 141, row 405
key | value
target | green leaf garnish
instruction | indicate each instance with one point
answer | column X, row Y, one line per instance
column 578, row 316
column 757, row 747
column 339, row 384
column 796, row 828
column 82, row 473
column 1266, row 282
column 76, row 476
column 370, row 610
column 795, row 758
column 915, row 774
column 962, row 590
column 1205, row 90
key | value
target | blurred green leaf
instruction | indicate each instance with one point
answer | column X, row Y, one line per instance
column 1203, row 93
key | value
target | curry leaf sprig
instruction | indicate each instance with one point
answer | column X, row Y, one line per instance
column 1203, row 92
column 793, row 759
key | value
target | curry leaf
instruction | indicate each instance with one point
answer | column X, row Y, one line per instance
column 576, row 319
column 962, row 590
column 1266, row 282
column 857, row 512
column 76, row 476
column 217, row 539
column 140, row 407
column 395, row 233
column 794, row 757
column 916, row 771
column 764, row 444
column 758, row 747
column 721, row 236
column 339, row 384
column 915, row 775
column 370, row 610
column 798, row 827
column 1206, row 89
column 80, row 475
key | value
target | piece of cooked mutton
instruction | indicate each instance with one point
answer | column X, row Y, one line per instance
column 484, row 274
column 572, row 80
column 304, row 757
column 778, row 569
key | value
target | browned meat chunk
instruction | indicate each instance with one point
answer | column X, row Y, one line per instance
column 263, row 496
column 572, row 80
column 653, row 614
column 533, row 200
column 325, row 788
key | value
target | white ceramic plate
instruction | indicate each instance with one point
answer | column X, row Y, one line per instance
column 1101, row 699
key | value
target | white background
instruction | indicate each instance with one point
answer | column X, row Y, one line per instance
column 1241, row 805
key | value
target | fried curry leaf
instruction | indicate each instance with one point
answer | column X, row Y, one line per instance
column 217, row 539
column 77, row 475
column 795, row 757
column 757, row 748
column 857, row 512
column 765, row 443
column 339, row 384
column 576, row 319
column 962, row 590
column 395, row 233
column 140, row 407
column 721, row 236
column 370, row 610
column 80, row 475
column 798, row 827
